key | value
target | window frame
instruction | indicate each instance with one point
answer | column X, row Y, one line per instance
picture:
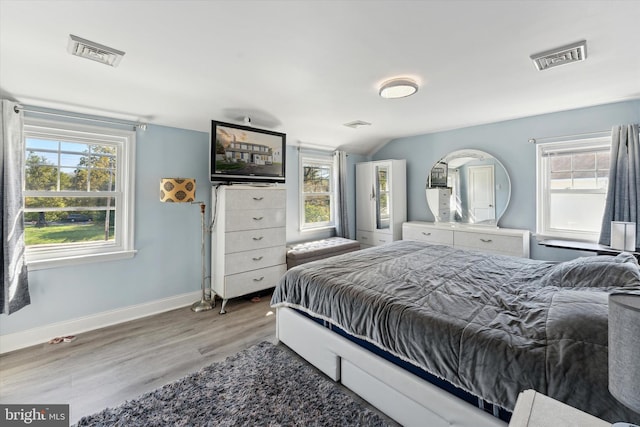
column 543, row 191
column 122, row 247
column 318, row 161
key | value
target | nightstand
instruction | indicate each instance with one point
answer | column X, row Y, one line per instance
column 534, row 409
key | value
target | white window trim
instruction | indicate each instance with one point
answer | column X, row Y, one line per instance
column 543, row 229
column 320, row 161
column 52, row 256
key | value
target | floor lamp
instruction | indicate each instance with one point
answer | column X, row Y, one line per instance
column 183, row 190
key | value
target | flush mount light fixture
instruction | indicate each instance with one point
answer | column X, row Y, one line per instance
column 398, row 88
column 94, row 51
column 574, row 52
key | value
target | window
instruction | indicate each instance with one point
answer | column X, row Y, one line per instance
column 572, row 188
column 78, row 193
column 317, row 193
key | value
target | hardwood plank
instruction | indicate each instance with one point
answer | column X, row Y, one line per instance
column 108, row 366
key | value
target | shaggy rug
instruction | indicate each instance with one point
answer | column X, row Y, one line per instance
column 265, row 385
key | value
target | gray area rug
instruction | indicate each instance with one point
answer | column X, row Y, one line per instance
column 265, row 385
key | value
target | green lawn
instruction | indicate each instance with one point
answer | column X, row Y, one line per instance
column 65, row 233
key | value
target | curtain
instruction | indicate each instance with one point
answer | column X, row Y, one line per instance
column 624, row 181
column 342, row 226
column 15, row 288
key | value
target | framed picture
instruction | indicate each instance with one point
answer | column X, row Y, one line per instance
column 439, row 175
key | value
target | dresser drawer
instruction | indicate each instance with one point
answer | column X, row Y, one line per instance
column 381, row 238
column 252, row 281
column 373, row 238
column 364, row 237
column 487, row 242
column 238, row 241
column 255, row 199
column 425, row 234
column 240, row 262
column 254, row 219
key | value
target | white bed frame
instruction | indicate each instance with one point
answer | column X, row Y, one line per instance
column 408, row 399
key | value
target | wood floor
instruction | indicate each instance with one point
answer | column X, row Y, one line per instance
column 108, row 366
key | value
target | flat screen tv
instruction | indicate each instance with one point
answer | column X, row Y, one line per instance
column 246, row 154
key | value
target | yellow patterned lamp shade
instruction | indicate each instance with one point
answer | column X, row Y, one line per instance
column 177, row 190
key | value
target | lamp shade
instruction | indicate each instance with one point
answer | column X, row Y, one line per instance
column 177, row 190
column 624, row 348
column 623, row 235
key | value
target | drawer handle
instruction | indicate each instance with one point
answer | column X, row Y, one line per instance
column 383, row 241
column 259, row 280
column 257, row 259
column 486, row 240
column 258, row 238
column 257, row 199
column 258, row 218
column 363, row 237
column 426, row 234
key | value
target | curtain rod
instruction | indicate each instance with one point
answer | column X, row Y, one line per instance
column 597, row 134
column 136, row 126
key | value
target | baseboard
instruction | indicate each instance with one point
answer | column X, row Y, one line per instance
column 42, row 334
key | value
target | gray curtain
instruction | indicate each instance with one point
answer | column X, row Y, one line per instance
column 624, row 181
column 15, row 288
column 342, row 226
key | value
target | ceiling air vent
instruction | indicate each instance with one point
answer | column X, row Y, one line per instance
column 563, row 55
column 357, row 123
column 94, row 51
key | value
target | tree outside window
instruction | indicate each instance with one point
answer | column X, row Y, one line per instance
column 77, row 192
column 317, row 193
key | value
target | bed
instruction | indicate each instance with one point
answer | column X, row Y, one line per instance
column 488, row 325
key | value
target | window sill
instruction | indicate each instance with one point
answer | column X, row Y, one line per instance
column 320, row 228
column 582, row 246
column 79, row 259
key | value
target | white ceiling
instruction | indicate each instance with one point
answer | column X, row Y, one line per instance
column 308, row 67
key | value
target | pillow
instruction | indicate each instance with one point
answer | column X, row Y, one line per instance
column 603, row 271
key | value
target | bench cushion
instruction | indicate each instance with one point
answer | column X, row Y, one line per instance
column 299, row 253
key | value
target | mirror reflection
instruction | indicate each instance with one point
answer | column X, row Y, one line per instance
column 382, row 197
column 468, row 187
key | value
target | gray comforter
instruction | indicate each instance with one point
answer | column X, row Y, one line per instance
column 492, row 325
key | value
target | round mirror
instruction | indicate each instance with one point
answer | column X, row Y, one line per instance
column 468, row 187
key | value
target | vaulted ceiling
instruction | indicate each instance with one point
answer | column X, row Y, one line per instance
column 308, row 67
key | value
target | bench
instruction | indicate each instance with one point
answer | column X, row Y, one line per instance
column 300, row 253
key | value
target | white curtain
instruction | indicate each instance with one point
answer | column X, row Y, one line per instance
column 342, row 226
column 623, row 202
column 15, row 288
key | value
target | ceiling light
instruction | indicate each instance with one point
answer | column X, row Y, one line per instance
column 574, row 52
column 94, row 51
column 398, row 88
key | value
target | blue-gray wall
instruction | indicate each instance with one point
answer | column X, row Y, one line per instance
column 167, row 236
column 508, row 142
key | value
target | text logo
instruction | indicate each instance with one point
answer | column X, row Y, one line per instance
column 34, row 415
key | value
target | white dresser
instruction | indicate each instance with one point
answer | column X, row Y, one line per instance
column 503, row 241
column 248, row 239
column 440, row 200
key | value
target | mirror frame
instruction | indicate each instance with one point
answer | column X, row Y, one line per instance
column 438, row 179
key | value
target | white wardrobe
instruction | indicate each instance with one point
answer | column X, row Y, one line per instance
column 381, row 201
column 248, row 239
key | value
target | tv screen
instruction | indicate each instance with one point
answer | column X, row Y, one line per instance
column 246, row 154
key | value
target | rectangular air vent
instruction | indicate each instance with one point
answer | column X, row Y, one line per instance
column 94, row 51
column 563, row 55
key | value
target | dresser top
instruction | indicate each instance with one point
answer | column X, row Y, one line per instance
column 471, row 228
